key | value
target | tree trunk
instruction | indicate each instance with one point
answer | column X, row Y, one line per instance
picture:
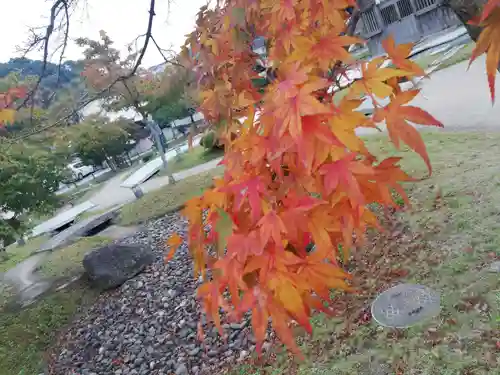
column 466, row 10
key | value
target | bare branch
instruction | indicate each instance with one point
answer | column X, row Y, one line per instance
column 170, row 61
column 98, row 95
column 54, row 11
column 146, row 41
column 65, row 42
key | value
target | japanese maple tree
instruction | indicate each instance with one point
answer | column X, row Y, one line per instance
column 274, row 234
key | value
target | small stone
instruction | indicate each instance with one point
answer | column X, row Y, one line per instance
column 212, row 353
column 181, row 369
column 243, row 355
column 183, row 333
column 266, row 346
column 495, row 267
column 237, row 325
column 194, row 352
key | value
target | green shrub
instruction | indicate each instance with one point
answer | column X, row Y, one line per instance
column 208, row 140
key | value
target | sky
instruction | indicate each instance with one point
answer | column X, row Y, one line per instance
column 123, row 20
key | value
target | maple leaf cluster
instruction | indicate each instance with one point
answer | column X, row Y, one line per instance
column 274, row 234
column 7, row 99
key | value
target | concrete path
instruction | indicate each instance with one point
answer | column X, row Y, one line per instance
column 459, row 98
column 27, row 284
column 112, row 194
column 157, row 183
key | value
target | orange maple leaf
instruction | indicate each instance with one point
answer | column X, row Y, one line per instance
column 489, row 41
column 297, row 101
column 397, row 116
column 342, row 174
column 252, row 189
column 244, row 245
column 174, row 241
column 271, row 227
column 399, row 56
column 325, row 49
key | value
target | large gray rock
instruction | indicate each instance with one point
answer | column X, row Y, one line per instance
column 113, row 264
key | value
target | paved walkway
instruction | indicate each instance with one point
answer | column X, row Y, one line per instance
column 459, row 98
column 112, row 194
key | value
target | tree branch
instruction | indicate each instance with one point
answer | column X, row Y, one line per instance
column 99, row 94
column 146, row 41
column 169, row 61
column 54, row 10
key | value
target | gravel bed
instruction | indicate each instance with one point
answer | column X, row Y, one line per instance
column 149, row 324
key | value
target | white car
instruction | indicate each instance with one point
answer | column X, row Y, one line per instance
column 80, row 170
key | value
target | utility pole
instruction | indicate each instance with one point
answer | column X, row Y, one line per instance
column 157, row 133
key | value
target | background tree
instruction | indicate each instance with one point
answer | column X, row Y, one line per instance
column 29, row 177
column 104, row 65
column 169, row 98
column 98, row 140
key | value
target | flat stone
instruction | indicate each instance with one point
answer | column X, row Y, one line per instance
column 78, row 230
column 62, row 219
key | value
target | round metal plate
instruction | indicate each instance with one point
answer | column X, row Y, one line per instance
column 405, row 305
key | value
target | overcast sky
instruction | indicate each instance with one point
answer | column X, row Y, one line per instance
column 123, row 20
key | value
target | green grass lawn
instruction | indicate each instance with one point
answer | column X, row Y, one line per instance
column 446, row 241
column 166, row 199
column 26, row 334
column 14, row 253
column 191, row 158
column 67, row 261
column 426, row 60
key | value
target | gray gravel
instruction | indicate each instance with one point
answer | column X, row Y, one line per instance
column 149, row 324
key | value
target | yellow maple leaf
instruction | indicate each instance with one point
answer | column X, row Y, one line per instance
column 373, row 79
column 7, row 116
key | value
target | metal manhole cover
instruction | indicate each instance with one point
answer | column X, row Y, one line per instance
column 405, row 305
